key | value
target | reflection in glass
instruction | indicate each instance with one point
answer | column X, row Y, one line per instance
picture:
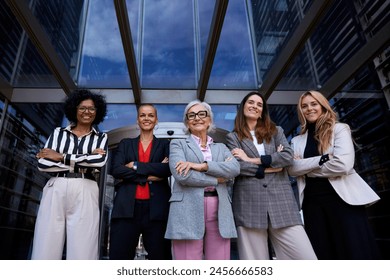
column 63, row 22
column 234, row 65
column 8, row 42
column 103, row 62
column 119, row 115
column 20, row 63
column 32, row 71
column 274, row 22
column 168, row 51
column 337, row 38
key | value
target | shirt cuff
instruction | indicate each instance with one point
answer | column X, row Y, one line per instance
column 324, row 159
column 266, row 160
column 260, row 172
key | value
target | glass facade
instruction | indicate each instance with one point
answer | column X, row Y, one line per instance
column 21, row 184
column 48, row 47
column 103, row 63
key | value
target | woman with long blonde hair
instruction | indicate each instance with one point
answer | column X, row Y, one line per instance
column 332, row 195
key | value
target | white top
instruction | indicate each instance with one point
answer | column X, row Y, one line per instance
column 259, row 147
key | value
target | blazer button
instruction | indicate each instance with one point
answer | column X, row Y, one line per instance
column 264, row 185
column 150, row 182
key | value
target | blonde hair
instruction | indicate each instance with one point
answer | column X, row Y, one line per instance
column 324, row 124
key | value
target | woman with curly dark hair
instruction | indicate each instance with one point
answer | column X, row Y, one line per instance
column 69, row 208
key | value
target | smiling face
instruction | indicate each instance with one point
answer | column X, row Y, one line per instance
column 147, row 118
column 253, row 107
column 86, row 112
column 200, row 123
column 311, row 108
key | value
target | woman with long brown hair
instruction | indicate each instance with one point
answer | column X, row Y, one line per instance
column 264, row 205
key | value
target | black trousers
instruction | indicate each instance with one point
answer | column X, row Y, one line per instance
column 125, row 232
column 337, row 230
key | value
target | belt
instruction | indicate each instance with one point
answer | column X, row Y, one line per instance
column 74, row 175
column 212, row 193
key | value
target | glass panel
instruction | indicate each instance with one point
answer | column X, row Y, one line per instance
column 63, row 22
column 274, row 22
column 44, row 116
column 205, row 16
column 340, row 35
column 366, row 114
column 224, row 116
column 20, row 62
column 120, row 115
column 103, row 62
column 284, row 116
column 32, row 71
column 11, row 34
column 168, row 52
column 21, row 185
column 234, row 64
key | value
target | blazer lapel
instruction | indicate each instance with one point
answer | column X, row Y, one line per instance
column 300, row 145
column 194, row 147
column 155, row 145
column 214, row 151
column 270, row 148
column 249, row 146
column 134, row 143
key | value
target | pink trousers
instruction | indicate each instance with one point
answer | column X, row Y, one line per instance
column 213, row 246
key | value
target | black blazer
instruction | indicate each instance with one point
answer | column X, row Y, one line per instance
column 160, row 191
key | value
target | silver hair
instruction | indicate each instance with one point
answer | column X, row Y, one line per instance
column 209, row 113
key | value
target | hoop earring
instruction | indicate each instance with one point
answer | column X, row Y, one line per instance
column 155, row 127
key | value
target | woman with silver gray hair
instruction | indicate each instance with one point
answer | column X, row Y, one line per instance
column 200, row 221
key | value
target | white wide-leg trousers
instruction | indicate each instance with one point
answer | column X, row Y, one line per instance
column 69, row 210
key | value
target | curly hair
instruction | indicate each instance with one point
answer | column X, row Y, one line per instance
column 324, row 124
column 265, row 127
column 79, row 95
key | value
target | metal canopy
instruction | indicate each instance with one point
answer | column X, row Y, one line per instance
column 137, row 95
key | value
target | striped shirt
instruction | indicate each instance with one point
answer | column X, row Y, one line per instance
column 77, row 150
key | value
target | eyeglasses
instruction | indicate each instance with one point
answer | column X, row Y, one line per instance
column 200, row 114
column 83, row 109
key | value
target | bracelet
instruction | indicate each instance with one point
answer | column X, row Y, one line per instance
column 63, row 158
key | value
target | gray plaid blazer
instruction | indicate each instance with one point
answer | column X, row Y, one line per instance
column 258, row 202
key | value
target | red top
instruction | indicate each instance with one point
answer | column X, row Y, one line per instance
column 142, row 191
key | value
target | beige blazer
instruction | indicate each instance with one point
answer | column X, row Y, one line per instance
column 339, row 169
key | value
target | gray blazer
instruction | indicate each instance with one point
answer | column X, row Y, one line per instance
column 186, row 213
column 339, row 169
column 256, row 202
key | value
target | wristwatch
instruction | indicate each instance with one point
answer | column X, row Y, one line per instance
column 135, row 165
